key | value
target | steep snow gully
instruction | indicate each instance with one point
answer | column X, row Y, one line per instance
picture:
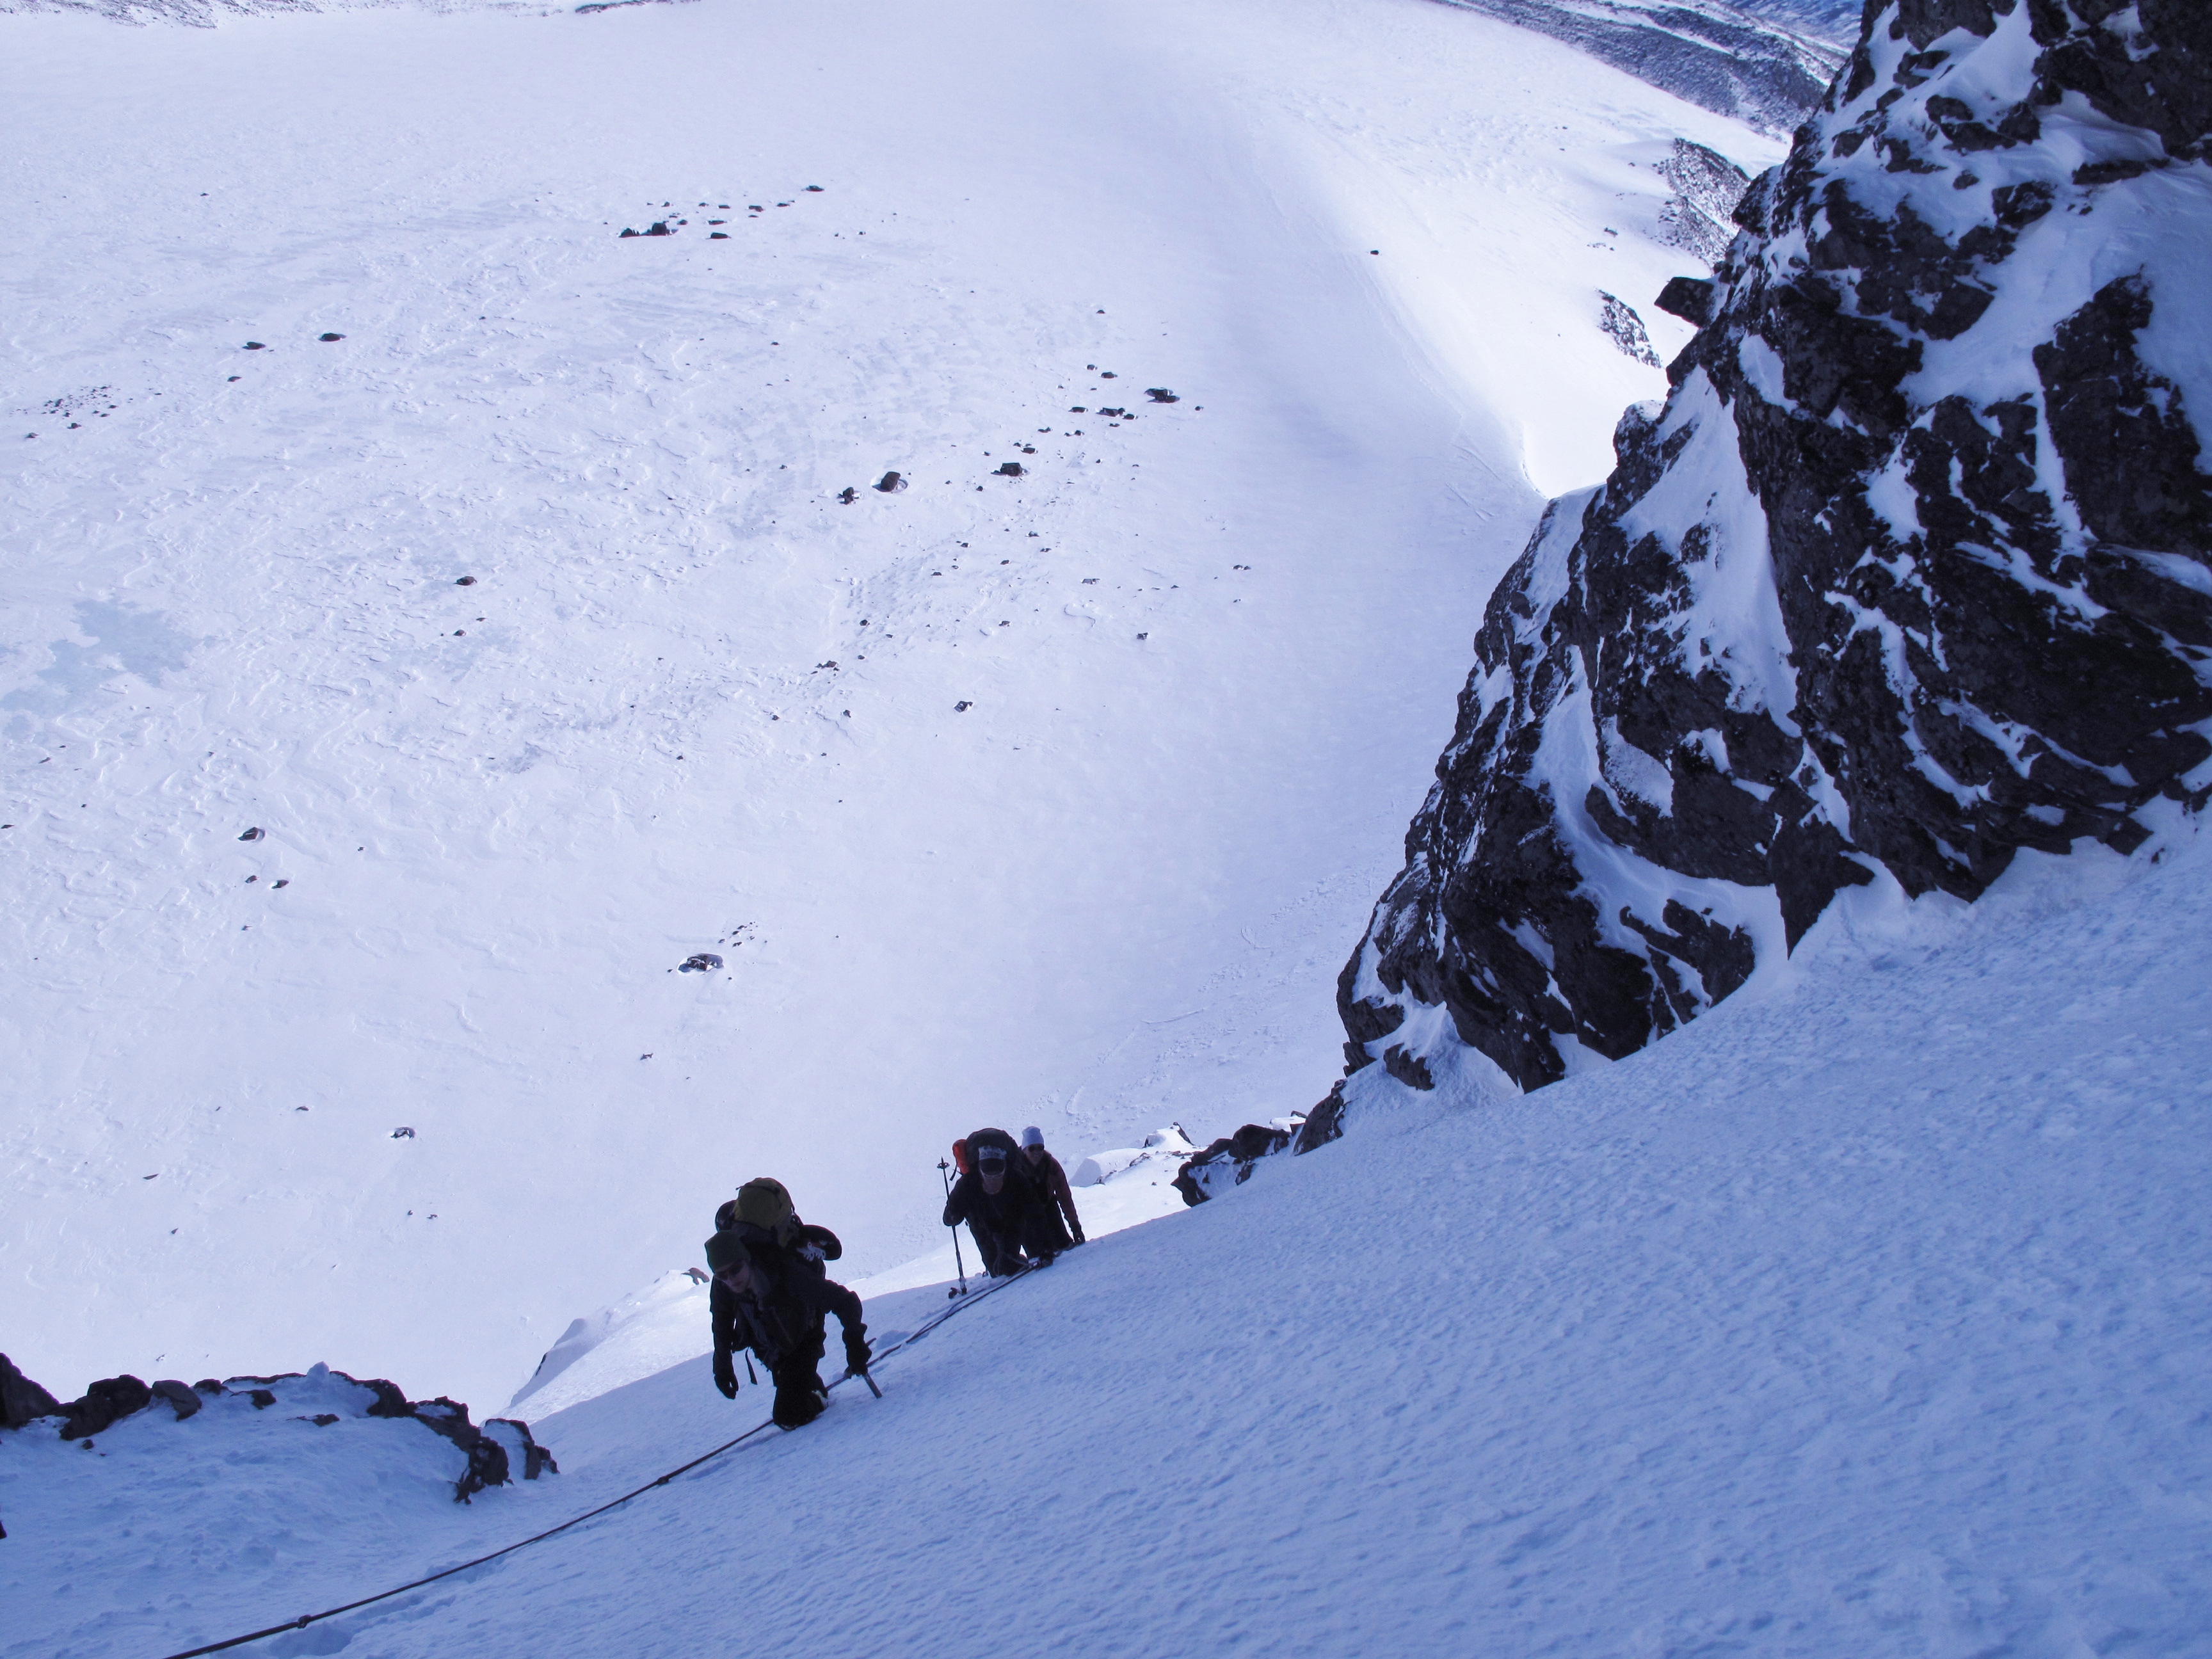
column 1859, row 713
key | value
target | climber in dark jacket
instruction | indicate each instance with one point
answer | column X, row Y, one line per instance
column 1006, row 1210
column 1044, row 1169
column 773, row 1301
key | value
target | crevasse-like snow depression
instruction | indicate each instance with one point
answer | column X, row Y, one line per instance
column 1056, row 798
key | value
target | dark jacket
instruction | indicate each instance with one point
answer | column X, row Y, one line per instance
column 1048, row 1173
column 780, row 1318
column 1018, row 1217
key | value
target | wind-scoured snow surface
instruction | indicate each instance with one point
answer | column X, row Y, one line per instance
column 1865, row 1317
column 1003, row 799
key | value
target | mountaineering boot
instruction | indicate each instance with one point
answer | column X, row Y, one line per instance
column 799, row 1399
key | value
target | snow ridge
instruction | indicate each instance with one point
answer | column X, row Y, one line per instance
column 1912, row 570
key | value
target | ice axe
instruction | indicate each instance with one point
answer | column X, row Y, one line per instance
column 942, row 1166
column 869, row 1380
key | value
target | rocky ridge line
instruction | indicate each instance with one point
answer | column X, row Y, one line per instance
column 1912, row 569
column 491, row 1449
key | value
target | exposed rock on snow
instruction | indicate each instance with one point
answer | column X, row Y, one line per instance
column 1625, row 330
column 21, row 1399
column 1912, row 570
column 1228, row 1162
column 1712, row 55
column 492, row 1451
column 1700, row 216
column 102, row 1404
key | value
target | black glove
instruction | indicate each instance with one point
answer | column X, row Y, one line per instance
column 856, row 1352
column 726, row 1376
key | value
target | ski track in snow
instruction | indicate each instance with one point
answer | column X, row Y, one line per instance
column 693, row 702
column 1867, row 1317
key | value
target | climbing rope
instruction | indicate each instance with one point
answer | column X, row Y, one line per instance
column 308, row 1618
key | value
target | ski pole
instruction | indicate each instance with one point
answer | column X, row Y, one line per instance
column 942, row 1166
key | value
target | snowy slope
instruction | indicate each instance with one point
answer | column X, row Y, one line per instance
column 1204, row 655
column 666, row 1322
column 1866, row 1316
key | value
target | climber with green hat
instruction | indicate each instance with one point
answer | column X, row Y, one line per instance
column 767, row 1297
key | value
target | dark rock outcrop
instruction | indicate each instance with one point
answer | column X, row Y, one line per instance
column 493, row 1450
column 487, row 1448
column 1700, row 216
column 103, row 1404
column 1620, row 323
column 1230, row 1160
column 1912, row 571
column 23, row 1401
column 181, row 1399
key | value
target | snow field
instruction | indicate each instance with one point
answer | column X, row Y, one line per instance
column 1112, row 890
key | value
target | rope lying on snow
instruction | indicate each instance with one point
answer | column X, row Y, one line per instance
column 308, row 1618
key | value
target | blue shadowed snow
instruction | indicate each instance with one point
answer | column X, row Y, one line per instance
column 1867, row 1317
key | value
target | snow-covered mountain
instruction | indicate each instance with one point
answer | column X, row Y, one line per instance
column 515, row 721
column 1912, row 571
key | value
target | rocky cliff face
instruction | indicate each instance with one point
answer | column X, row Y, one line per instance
column 1912, row 569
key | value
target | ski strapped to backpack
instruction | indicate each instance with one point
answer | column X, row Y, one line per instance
column 308, row 1618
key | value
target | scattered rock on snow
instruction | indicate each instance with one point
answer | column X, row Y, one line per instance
column 703, row 961
column 464, row 581
column 255, row 834
column 1010, row 469
column 848, row 495
column 1625, row 330
column 1160, row 394
column 890, row 484
column 403, row 1132
column 961, row 707
column 327, row 338
column 1700, row 216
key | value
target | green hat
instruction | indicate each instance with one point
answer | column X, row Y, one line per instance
column 726, row 1249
